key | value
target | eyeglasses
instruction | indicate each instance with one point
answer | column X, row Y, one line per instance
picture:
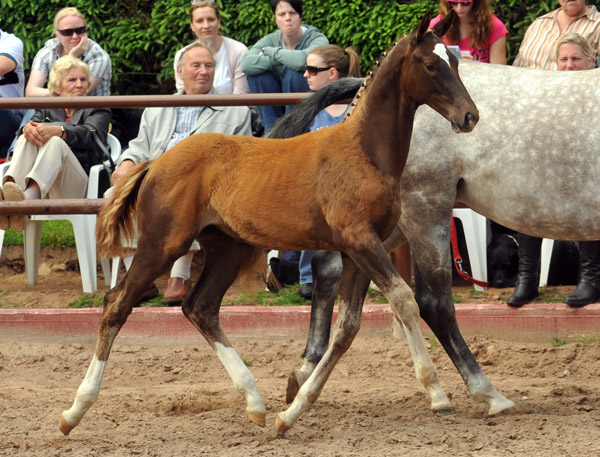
column 463, row 3
column 314, row 70
column 70, row 32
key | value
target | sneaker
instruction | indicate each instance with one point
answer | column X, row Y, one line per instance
column 306, row 290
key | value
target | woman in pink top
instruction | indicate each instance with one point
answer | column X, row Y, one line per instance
column 479, row 34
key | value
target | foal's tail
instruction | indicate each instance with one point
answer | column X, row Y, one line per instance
column 298, row 120
column 116, row 220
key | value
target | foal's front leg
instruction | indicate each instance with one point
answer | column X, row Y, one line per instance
column 379, row 267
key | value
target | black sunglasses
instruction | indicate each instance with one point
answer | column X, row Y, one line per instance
column 314, row 70
column 70, row 32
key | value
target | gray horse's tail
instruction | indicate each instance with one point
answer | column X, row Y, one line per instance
column 298, row 120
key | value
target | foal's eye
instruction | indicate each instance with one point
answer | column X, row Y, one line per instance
column 430, row 67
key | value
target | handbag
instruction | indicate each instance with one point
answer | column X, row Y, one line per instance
column 105, row 158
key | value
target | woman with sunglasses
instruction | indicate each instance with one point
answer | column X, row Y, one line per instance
column 276, row 62
column 324, row 65
column 479, row 34
column 70, row 29
column 205, row 22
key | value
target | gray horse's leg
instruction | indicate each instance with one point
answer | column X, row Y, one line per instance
column 327, row 271
column 433, row 292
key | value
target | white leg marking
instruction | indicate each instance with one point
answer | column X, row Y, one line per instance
column 407, row 311
column 87, row 393
column 441, row 51
column 242, row 378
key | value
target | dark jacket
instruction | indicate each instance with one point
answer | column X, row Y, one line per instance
column 79, row 135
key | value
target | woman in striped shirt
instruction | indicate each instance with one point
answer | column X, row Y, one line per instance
column 537, row 47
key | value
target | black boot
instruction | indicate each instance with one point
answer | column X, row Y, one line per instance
column 588, row 288
column 529, row 276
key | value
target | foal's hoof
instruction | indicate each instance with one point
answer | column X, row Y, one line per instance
column 443, row 412
column 500, row 406
column 64, row 426
column 259, row 419
column 280, row 426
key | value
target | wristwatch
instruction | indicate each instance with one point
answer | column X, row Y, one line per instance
column 62, row 131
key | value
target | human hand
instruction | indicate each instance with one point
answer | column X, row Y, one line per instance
column 121, row 171
column 81, row 47
column 31, row 133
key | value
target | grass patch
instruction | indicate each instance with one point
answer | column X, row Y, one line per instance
column 558, row 342
column 478, row 293
column 456, row 299
column 376, row 297
column 85, row 301
column 551, row 296
column 57, row 234
column 586, row 340
column 434, row 344
column 288, row 296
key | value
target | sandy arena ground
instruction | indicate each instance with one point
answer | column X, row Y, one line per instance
column 165, row 398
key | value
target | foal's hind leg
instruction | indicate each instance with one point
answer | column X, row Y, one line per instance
column 327, row 271
column 118, row 304
column 353, row 289
column 223, row 259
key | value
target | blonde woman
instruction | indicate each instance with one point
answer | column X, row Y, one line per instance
column 56, row 150
column 205, row 22
column 71, row 38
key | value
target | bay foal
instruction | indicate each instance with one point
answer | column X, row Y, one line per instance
column 240, row 195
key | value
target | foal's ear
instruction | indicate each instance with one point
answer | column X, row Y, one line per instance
column 423, row 27
column 442, row 27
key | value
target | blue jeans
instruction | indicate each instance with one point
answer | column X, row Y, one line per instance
column 26, row 118
column 9, row 123
column 275, row 82
column 305, row 268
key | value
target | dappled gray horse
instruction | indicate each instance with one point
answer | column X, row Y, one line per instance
column 530, row 165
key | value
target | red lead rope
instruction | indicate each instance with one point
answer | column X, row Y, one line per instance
column 458, row 259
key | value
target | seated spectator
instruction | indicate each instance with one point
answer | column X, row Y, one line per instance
column 71, row 39
column 205, row 22
column 572, row 52
column 478, row 33
column 56, row 150
column 12, row 82
column 163, row 128
column 324, row 65
column 276, row 62
column 537, row 49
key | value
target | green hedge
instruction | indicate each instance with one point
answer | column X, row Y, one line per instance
column 142, row 36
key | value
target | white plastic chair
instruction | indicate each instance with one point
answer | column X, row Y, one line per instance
column 84, row 228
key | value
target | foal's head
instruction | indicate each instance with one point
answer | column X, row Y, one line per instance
column 430, row 75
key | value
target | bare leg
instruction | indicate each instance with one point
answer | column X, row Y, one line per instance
column 222, row 263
